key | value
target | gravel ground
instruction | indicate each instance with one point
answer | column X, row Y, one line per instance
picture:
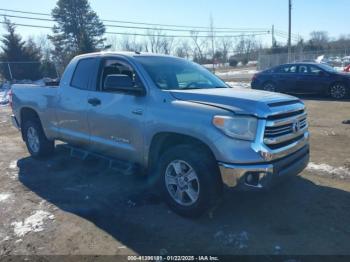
column 63, row 205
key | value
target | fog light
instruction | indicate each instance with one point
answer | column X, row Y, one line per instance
column 252, row 179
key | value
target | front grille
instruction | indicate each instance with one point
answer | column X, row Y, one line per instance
column 285, row 128
column 285, row 115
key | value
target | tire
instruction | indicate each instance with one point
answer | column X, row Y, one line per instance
column 204, row 184
column 269, row 86
column 338, row 91
column 37, row 143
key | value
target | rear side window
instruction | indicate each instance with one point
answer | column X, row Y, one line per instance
column 82, row 73
column 287, row 69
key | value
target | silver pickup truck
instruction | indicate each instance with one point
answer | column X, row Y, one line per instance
column 173, row 119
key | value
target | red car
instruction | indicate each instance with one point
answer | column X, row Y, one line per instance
column 347, row 69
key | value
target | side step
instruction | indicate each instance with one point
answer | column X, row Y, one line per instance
column 78, row 153
column 124, row 167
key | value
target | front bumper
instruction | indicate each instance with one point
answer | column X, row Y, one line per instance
column 264, row 175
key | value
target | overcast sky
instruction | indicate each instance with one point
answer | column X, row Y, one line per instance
column 308, row 15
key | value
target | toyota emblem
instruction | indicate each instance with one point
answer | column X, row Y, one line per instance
column 296, row 126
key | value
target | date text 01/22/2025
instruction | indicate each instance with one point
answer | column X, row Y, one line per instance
column 173, row 258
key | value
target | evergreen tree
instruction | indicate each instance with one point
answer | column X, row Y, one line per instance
column 23, row 59
column 78, row 30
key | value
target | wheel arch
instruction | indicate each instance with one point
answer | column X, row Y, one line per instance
column 28, row 113
column 269, row 81
column 162, row 141
column 338, row 81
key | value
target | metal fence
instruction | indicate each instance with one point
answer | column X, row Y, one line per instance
column 335, row 58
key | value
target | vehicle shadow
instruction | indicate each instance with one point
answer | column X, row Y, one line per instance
column 297, row 217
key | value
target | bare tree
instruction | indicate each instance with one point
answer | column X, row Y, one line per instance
column 130, row 43
column 112, row 41
column 224, row 45
column 319, row 38
column 245, row 47
column 183, row 49
column 158, row 42
column 200, row 46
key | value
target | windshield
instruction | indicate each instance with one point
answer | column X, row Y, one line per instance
column 327, row 68
column 171, row 73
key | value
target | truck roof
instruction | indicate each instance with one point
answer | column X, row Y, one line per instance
column 121, row 53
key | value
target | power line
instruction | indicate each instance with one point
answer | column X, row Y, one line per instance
column 19, row 62
column 23, row 12
column 143, row 28
column 140, row 23
column 154, row 35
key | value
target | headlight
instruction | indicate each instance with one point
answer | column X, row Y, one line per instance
column 239, row 127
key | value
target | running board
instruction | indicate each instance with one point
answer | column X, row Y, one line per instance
column 124, row 167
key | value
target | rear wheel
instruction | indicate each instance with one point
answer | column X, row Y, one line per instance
column 338, row 91
column 37, row 143
column 269, row 86
column 189, row 180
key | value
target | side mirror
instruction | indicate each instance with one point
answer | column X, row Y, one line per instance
column 122, row 83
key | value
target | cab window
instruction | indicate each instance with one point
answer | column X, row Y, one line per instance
column 83, row 71
column 117, row 67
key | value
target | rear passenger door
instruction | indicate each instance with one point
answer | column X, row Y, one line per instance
column 286, row 78
column 72, row 103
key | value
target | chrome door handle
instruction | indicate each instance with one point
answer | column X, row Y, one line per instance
column 137, row 112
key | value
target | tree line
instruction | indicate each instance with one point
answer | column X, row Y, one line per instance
column 78, row 30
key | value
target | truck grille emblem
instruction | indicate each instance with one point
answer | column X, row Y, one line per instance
column 296, row 126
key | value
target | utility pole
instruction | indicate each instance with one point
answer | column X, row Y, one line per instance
column 10, row 71
column 273, row 35
column 212, row 41
column 290, row 32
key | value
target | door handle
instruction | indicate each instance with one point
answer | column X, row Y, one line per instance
column 137, row 112
column 94, row 101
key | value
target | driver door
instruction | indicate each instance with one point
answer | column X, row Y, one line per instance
column 117, row 119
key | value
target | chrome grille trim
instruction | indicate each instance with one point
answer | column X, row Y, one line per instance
column 285, row 121
column 277, row 136
column 281, row 130
column 284, row 138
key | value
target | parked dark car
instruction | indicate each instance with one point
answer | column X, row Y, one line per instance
column 304, row 78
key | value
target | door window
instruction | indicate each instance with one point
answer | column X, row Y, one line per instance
column 303, row 69
column 84, row 69
column 287, row 69
column 117, row 67
column 314, row 70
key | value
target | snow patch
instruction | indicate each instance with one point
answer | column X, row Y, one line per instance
column 34, row 223
column 239, row 84
column 4, row 97
column 325, row 168
column 13, row 164
column 7, row 238
column 13, row 176
column 4, row 197
column 236, row 72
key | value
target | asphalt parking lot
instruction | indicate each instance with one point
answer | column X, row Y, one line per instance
column 62, row 205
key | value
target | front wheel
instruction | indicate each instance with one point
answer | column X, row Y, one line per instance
column 189, row 180
column 37, row 143
column 338, row 91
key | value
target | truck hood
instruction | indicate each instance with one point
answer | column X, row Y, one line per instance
column 238, row 100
